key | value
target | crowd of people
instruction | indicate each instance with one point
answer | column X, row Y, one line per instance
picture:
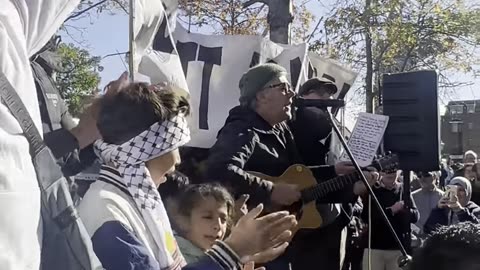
column 431, row 206
column 141, row 213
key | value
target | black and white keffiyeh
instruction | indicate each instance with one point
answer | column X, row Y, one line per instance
column 129, row 159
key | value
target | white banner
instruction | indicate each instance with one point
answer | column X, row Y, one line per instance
column 214, row 65
column 155, row 54
column 210, row 66
column 343, row 76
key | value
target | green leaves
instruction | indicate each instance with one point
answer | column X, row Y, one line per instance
column 406, row 35
column 79, row 79
column 229, row 17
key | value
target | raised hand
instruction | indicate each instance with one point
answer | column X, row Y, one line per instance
column 241, row 207
column 261, row 238
column 86, row 131
column 251, row 266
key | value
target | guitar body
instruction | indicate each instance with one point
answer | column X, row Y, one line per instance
column 301, row 176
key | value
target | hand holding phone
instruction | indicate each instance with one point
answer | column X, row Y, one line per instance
column 443, row 202
column 451, row 193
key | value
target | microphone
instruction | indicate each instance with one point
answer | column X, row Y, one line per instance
column 319, row 103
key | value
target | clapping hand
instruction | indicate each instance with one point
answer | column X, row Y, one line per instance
column 241, row 207
column 261, row 239
column 251, row 266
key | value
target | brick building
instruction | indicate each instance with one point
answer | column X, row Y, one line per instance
column 460, row 127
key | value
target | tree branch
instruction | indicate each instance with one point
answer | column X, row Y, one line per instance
column 79, row 13
column 81, row 43
column 407, row 57
column 114, row 54
column 121, row 6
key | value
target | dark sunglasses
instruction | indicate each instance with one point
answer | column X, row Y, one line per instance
column 286, row 87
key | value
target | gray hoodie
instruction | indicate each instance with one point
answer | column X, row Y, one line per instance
column 426, row 201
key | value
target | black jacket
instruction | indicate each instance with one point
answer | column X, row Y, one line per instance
column 247, row 143
column 309, row 128
column 381, row 235
column 56, row 123
column 440, row 217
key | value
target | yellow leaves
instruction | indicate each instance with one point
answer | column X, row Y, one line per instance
column 229, row 17
column 302, row 21
column 437, row 9
column 225, row 16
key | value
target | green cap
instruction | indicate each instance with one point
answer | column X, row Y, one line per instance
column 255, row 79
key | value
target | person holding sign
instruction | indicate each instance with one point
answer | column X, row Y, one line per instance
column 257, row 138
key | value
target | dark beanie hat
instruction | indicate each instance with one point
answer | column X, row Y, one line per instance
column 256, row 78
column 316, row 83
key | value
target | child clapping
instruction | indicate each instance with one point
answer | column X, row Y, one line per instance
column 204, row 215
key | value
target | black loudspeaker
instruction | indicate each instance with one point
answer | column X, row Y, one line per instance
column 410, row 101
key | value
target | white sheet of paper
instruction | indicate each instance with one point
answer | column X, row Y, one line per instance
column 366, row 137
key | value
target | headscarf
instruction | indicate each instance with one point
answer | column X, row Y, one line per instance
column 465, row 183
column 129, row 159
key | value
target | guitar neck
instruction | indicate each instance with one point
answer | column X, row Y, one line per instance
column 321, row 190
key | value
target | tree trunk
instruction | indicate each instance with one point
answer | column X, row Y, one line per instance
column 369, row 95
column 280, row 17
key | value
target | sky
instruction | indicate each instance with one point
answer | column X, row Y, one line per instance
column 106, row 34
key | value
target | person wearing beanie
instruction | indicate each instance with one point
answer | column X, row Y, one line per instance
column 448, row 212
column 256, row 137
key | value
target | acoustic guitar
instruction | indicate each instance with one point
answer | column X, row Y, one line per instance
column 301, row 176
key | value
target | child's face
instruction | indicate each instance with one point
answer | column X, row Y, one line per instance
column 208, row 222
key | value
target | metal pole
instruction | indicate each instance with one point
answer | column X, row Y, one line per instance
column 408, row 205
column 405, row 258
column 131, row 63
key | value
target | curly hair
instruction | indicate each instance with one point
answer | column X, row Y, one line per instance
column 450, row 247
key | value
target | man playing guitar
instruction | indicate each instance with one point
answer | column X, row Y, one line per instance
column 256, row 137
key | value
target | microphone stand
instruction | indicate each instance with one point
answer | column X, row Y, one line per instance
column 405, row 258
